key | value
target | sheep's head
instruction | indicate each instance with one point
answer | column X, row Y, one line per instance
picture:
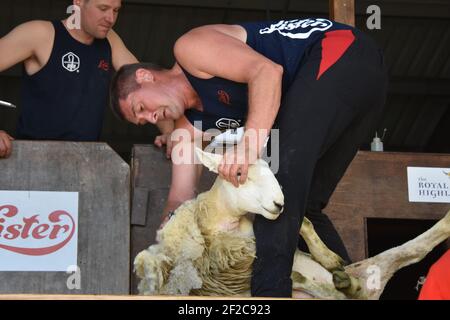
column 260, row 194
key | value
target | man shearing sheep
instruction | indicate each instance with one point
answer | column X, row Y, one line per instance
column 321, row 83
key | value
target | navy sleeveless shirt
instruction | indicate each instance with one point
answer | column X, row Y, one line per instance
column 225, row 103
column 66, row 99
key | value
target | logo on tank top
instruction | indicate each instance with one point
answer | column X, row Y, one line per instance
column 226, row 123
column 224, row 97
column 298, row 29
column 104, row 65
column 71, row 62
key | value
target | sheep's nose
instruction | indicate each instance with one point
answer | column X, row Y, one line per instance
column 279, row 206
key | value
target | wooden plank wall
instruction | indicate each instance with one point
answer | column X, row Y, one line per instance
column 376, row 186
column 103, row 182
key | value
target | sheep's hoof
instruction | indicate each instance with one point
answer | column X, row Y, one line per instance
column 341, row 280
column 347, row 284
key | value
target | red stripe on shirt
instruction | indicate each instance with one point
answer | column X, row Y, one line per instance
column 334, row 46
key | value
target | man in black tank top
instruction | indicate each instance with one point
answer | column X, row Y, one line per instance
column 322, row 84
column 67, row 70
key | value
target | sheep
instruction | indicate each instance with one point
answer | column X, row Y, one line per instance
column 207, row 248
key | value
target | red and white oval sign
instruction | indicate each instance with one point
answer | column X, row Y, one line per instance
column 38, row 230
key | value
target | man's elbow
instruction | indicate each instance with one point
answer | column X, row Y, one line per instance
column 270, row 70
column 278, row 69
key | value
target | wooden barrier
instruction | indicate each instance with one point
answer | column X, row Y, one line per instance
column 375, row 186
column 102, row 179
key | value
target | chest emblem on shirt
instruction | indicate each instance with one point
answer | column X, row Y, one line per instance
column 226, row 123
column 104, row 65
column 71, row 62
column 298, row 29
column 224, row 97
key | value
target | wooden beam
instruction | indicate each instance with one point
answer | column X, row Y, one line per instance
column 343, row 11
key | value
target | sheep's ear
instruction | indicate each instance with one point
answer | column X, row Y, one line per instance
column 209, row 160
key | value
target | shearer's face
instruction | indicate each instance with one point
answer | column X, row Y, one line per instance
column 149, row 105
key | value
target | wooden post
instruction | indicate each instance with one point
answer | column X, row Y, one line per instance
column 343, row 11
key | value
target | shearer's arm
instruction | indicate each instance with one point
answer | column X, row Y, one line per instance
column 221, row 51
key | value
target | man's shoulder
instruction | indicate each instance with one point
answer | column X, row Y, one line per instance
column 38, row 29
column 113, row 38
column 38, row 25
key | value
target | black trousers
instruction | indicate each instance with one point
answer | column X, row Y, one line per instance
column 322, row 123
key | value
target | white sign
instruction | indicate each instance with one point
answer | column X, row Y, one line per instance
column 429, row 184
column 38, row 230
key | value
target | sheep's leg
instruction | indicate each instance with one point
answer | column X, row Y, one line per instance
column 378, row 270
column 314, row 289
column 310, row 278
column 319, row 251
column 313, row 279
column 328, row 259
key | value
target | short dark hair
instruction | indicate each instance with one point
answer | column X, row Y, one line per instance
column 124, row 82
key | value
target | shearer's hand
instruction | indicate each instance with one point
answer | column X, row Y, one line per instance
column 164, row 140
column 164, row 219
column 5, row 144
column 235, row 162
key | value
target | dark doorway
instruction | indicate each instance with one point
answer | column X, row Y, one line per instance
column 383, row 234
